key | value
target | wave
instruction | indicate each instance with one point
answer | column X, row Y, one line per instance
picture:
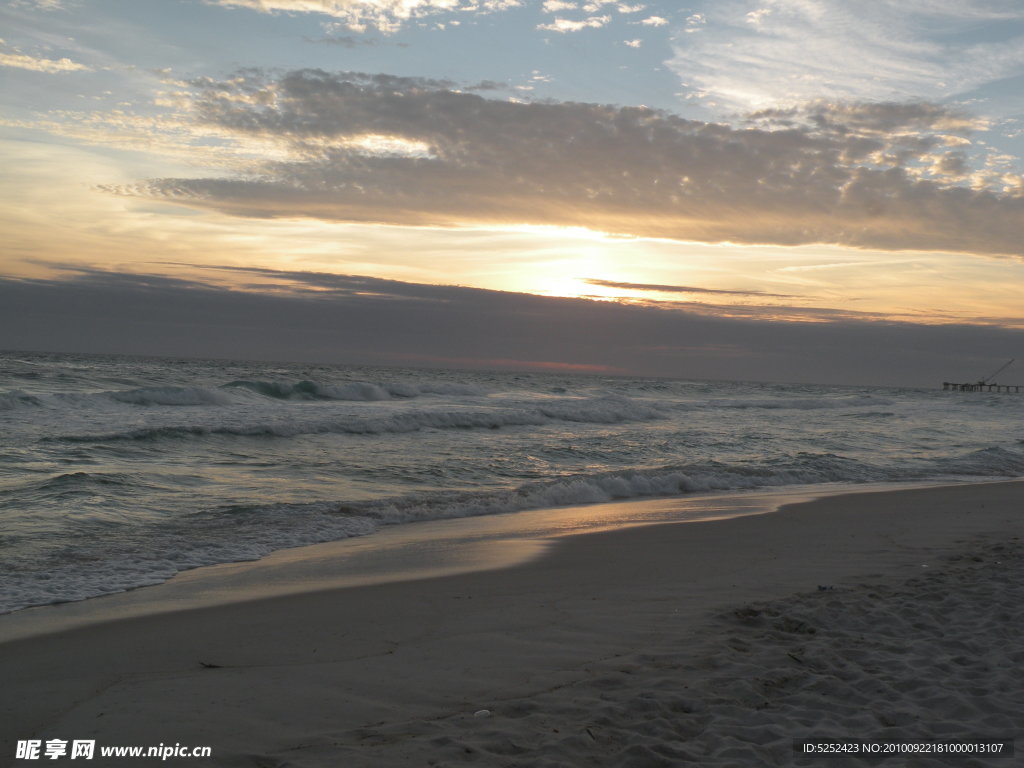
column 170, row 396
column 145, row 396
column 358, row 391
column 992, row 462
column 121, row 559
column 102, row 492
column 604, row 410
column 151, row 554
column 238, row 391
column 623, row 485
column 311, row 390
column 801, row 469
column 86, row 479
column 17, row 399
column 353, row 390
column 800, row 403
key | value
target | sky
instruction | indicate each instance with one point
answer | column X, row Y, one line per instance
column 784, row 190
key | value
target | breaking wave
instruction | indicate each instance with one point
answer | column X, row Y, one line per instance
column 604, row 410
column 353, row 390
column 241, row 391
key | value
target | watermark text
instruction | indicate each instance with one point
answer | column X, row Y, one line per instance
column 86, row 749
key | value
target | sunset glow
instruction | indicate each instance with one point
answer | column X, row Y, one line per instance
column 624, row 154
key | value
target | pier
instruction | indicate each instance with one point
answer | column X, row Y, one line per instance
column 985, row 385
column 980, row 386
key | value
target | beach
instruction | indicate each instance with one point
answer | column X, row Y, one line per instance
column 893, row 615
column 512, row 384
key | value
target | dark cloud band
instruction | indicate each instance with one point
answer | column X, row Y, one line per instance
column 371, row 320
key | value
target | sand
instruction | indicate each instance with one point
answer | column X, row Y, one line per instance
column 706, row 644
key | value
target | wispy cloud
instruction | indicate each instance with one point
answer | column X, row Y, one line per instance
column 46, row 5
column 37, row 64
column 752, row 54
column 654, row 288
column 880, row 176
column 385, row 16
column 351, row 41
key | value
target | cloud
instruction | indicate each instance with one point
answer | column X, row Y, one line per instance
column 386, row 16
column 35, row 64
column 46, row 5
column 554, row 6
column 593, row 21
column 567, row 25
column 878, row 119
column 694, row 22
column 330, row 286
column 370, row 320
column 868, row 175
column 755, row 17
column 682, row 289
column 350, row 41
column 752, row 54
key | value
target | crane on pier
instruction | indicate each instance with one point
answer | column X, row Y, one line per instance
column 988, row 379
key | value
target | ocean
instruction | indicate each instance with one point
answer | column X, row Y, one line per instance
column 118, row 472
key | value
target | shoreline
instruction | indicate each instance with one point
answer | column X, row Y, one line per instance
column 416, row 550
column 376, row 674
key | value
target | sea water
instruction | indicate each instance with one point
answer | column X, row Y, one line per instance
column 117, row 472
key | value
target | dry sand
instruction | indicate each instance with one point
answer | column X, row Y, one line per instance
column 705, row 644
